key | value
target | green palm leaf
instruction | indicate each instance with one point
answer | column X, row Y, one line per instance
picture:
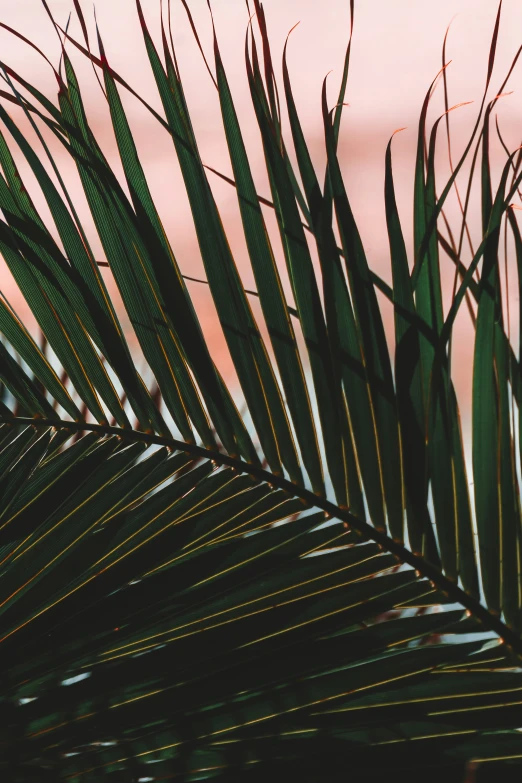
column 242, row 590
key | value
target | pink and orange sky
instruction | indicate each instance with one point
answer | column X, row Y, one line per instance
column 396, row 54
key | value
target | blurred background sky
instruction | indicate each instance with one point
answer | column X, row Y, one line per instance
column 396, row 54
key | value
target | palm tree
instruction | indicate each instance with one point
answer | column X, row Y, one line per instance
column 189, row 591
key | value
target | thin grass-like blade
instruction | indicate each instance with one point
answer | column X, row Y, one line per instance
column 116, row 225
column 161, row 255
column 485, row 411
column 244, row 341
column 21, row 340
column 345, row 350
column 449, row 485
column 273, row 109
column 306, row 294
column 408, row 379
column 269, row 287
column 371, row 337
column 30, row 238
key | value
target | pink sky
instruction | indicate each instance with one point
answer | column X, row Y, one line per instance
column 396, row 54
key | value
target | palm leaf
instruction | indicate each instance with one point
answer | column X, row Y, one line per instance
column 235, row 595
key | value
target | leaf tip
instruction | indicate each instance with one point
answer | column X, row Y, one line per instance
column 141, row 16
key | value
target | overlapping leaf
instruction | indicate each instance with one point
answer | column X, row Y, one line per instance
column 210, row 595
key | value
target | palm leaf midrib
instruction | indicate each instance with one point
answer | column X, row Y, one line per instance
column 488, row 619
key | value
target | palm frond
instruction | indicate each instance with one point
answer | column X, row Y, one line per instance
column 253, row 584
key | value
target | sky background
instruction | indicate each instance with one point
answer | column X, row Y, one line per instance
column 396, row 54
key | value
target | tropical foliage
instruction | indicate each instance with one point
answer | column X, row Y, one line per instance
column 299, row 588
